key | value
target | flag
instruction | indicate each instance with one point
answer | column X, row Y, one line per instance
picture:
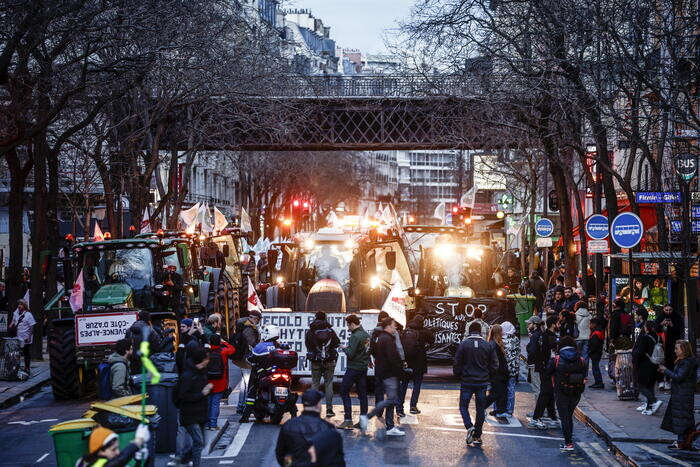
column 204, row 219
column 467, row 200
column 440, row 212
column 253, row 300
column 220, row 221
column 97, row 235
column 189, row 216
column 332, row 219
column 76, row 295
column 246, row 226
column 395, row 304
column 146, row 222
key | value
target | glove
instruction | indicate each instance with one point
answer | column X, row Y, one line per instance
column 143, row 433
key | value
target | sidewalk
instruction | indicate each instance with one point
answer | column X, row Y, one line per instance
column 635, row 437
column 12, row 392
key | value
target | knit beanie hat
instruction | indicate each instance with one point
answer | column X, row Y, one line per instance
column 101, row 437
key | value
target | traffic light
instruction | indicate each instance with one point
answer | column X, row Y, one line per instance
column 305, row 209
column 461, row 216
column 553, row 201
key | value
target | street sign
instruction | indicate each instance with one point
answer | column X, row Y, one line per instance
column 597, row 227
column 102, row 328
column 677, row 226
column 544, row 242
column 626, row 230
column 686, row 166
column 597, row 246
column 658, row 196
column 695, row 196
column 695, row 212
column 544, row 227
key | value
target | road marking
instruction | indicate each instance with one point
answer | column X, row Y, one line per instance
column 409, row 419
column 225, row 462
column 661, row 454
column 42, row 457
column 238, row 441
column 589, row 449
column 496, row 433
column 452, row 419
column 512, row 422
column 32, row 422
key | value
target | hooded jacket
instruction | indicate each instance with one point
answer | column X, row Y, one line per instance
column 119, row 375
column 226, row 349
column 475, row 360
column 357, row 350
column 296, row 436
column 313, row 345
column 569, row 363
column 583, row 322
column 397, row 338
column 511, row 343
column 192, row 403
column 387, row 361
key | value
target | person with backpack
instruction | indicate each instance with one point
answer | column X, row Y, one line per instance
column 567, row 372
column 191, row 397
column 415, row 340
column 647, row 358
column 114, row 374
column 247, row 336
column 322, row 344
column 357, row 353
column 217, row 375
column 542, row 348
column 596, row 345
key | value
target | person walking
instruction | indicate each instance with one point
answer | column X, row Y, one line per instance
column 583, row 329
column 596, row 344
column 415, row 340
column 357, row 353
column 680, row 417
column 544, row 348
column 388, row 368
column 378, row 389
column 296, row 437
column 192, row 396
column 247, row 337
column 474, row 361
column 498, row 378
column 22, row 327
column 119, row 368
column 568, row 373
column 327, row 449
column 645, row 369
column 511, row 345
column 322, row 344
column 671, row 325
column 217, row 375
column 536, row 286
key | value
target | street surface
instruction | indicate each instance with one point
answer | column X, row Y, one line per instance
column 433, row 438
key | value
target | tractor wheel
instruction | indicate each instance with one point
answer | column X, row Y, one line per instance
column 63, row 363
column 227, row 300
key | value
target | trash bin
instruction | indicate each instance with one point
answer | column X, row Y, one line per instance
column 524, row 307
column 161, row 395
column 70, row 440
column 10, row 358
column 125, row 428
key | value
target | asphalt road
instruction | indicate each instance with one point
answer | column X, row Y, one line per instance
column 433, row 438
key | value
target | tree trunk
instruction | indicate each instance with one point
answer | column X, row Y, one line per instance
column 40, row 234
column 15, row 207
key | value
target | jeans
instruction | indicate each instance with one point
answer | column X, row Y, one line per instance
column 417, row 379
column 545, row 399
column 647, row 390
column 196, row 432
column 26, row 351
column 214, row 406
column 566, row 404
column 391, row 389
column 510, row 395
column 597, row 375
column 466, row 391
column 378, row 394
column 245, row 377
column 498, row 396
column 183, row 443
column 323, row 370
column 359, row 379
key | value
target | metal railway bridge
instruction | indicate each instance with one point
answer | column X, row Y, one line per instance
column 362, row 112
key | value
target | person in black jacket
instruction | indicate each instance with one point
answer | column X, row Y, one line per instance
column 192, row 400
column 388, row 367
column 499, row 377
column 322, row 344
column 646, row 370
column 547, row 344
column 680, row 417
column 415, row 341
column 299, row 434
column 474, row 362
column 596, row 344
column 536, row 286
column 671, row 324
column 327, row 449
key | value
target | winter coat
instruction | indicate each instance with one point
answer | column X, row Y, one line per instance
column 329, row 448
column 187, row 344
column 511, row 342
column 595, row 345
column 537, row 288
column 250, row 332
column 679, row 416
column 500, row 374
column 643, row 348
column 296, row 436
column 570, row 303
column 397, row 338
column 313, row 345
column 125, row 456
column 357, row 350
column 119, row 375
column 221, row 384
column 418, row 338
column 475, row 360
column 583, row 322
column 192, row 403
column 387, row 361
column 569, row 362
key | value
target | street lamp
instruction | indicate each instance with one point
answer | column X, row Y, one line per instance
column 500, row 214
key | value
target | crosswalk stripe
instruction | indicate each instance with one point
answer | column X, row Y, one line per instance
column 665, row 456
column 238, row 441
column 496, row 433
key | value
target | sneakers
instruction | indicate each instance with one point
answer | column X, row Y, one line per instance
column 655, row 406
column 364, row 421
column 642, row 407
column 414, row 410
column 477, row 441
column 647, row 412
column 395, row 432
column 401, row 413
column 470, row 435
column 538, row 424
column 566, row 447
column 330, row 413
column 597, row 386
column 346, row 425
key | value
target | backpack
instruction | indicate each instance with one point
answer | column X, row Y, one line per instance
column 215, row 368
column 410, row 340
column 323, row 338
column 104, row 381
column 571, row 384
column 626, row 324
column 658, row 355
column 535, row 352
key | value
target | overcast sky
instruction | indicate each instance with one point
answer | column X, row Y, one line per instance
column 357, row 24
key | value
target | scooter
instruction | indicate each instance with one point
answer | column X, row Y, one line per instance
column 274, row 396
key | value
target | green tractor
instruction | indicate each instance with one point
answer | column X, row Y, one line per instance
column 113, row 280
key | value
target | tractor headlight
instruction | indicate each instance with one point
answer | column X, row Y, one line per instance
column 375, row 282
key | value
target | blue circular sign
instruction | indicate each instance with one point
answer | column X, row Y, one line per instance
column 544, row 227
column 597, row 227
column 627, row 230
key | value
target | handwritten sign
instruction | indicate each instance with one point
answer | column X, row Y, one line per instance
column 102, row 328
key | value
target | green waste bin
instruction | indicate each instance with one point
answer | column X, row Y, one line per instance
column 524, row 307
column 70, row 440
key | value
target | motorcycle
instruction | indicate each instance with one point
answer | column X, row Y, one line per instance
column 274, row 396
